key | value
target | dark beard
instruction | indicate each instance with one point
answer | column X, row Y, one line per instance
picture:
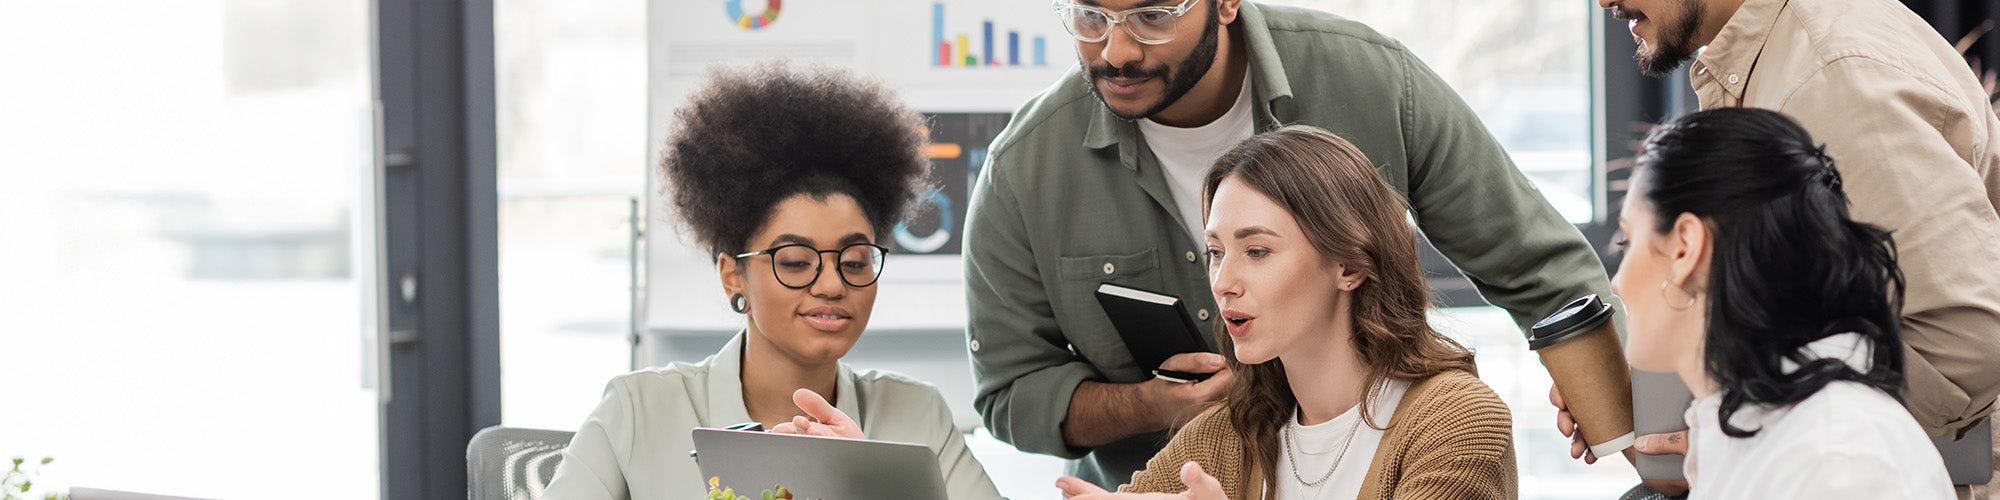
column 1676, row 45
column 1179, row 82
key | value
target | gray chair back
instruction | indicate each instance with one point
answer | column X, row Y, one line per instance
column 505, row 463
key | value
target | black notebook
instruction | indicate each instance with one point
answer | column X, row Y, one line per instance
column 1155, row 326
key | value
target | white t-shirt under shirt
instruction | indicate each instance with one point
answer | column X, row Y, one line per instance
column 1317, row 445
column 1186, row 154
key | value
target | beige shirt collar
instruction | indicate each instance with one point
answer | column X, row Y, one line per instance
column 725, row 388
column 1727, row 61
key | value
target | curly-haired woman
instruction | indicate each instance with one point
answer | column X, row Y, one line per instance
column 790, row 177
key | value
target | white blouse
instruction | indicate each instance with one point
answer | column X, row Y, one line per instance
column 1848, row 440
column 1317, row 445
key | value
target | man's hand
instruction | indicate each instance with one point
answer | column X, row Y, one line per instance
column 1100, row 413
column 1176, row 403
column 1107, row 413
column 1566, row 424
column 831, row 422
column 1201, row 486
column 1651, row 444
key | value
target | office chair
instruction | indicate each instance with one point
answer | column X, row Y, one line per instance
column 505, row 463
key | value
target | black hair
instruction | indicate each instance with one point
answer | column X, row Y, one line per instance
column 754, row 135
column 1789, row 265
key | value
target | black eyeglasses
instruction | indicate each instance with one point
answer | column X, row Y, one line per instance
column 797, row 265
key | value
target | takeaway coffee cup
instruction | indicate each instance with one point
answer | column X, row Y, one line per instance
column 1579, row 346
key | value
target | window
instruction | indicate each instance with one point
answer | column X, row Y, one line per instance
column 1523, row 66
column 180, row 298
column 572, row 136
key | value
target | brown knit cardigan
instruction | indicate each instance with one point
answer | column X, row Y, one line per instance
column 1451, row 438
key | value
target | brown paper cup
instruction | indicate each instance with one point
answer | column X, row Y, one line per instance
column 1579, row 346
column 1590, row 371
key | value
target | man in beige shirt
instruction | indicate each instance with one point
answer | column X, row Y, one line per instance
column 1916, row 142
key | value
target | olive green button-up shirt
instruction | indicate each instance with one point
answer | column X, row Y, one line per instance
column 1071, row 197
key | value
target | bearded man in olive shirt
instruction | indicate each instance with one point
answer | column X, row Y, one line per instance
column 1097, row 180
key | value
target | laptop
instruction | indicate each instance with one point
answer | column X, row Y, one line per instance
column 818, row 467
column 1969, row 460
column 1659, row 401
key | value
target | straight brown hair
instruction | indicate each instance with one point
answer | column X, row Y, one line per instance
column 1353, row 218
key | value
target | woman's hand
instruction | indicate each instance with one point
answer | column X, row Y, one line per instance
column 830, row 421
column 1672, row 443
column 1200, row 485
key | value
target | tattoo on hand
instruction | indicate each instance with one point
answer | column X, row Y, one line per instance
column 1674, row 438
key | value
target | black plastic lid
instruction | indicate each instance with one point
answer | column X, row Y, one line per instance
column 1574, row 318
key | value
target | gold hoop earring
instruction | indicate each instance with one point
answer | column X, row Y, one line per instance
column 1670, row 302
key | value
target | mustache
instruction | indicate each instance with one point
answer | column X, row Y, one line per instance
column 1132, row 70
column 1621, row 13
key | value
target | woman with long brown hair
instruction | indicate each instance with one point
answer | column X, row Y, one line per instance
column 1343, row 389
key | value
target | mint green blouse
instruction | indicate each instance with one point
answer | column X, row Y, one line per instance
column 635, row 444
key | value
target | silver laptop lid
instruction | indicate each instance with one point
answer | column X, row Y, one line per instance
column 1969, row 460
column 814, row 467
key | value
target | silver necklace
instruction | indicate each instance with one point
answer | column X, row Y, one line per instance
column 1287, row 434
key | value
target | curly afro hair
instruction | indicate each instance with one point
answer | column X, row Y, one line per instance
column 754, row 135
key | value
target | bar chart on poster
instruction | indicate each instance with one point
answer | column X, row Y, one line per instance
column 960, row 51
column 969, row 56
column 966, row 64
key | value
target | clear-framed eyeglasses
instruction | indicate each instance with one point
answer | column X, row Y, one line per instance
column 1149, row 25
column 797, row 265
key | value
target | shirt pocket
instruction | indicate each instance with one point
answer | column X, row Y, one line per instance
column 1082, row 319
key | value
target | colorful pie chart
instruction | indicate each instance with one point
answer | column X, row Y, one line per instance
column 755, row 21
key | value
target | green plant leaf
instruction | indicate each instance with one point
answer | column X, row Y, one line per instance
column 46, row 460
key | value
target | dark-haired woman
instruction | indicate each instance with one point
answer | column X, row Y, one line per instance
column 1342, row 389
column 1744, row 274
column 790, row 177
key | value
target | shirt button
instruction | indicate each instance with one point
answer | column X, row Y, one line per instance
column 1190, row 256
column 975, row 346
column 1203, row 315
column 1732, row 78
column 1108, row 268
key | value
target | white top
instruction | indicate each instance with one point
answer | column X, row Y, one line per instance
column 1848, row 440
column 1317, row 445
column 1187, row 154
column 635, row 445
